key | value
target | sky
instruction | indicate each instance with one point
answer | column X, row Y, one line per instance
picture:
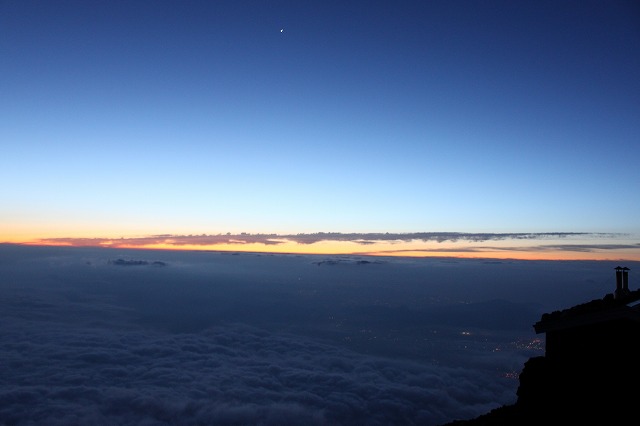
column 149, row 337
column 135, row 119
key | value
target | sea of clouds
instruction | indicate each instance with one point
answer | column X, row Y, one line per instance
column 131, row 337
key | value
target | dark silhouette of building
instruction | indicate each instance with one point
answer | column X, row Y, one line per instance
column 590, row 372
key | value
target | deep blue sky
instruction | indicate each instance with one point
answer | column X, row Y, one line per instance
column 135, row 117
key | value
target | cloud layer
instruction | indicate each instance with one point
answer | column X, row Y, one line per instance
column 212, row 338
column 223, row 376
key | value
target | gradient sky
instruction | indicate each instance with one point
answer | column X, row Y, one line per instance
column 134, row 118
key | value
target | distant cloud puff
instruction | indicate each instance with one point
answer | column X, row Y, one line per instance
column 124, row 262
column 347, row 261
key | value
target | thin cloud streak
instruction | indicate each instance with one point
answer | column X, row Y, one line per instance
column 581, row 248
column 548, row 245
column 277, row 239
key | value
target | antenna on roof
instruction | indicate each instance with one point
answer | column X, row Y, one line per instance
column 622, row 282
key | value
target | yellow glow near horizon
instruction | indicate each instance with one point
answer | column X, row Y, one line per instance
column 525, row 249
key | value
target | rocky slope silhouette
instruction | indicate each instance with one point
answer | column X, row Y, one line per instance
column 590, row 371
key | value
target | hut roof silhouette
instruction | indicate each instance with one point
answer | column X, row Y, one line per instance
column 621, row 305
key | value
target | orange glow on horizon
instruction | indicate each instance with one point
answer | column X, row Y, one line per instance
column 465, row 250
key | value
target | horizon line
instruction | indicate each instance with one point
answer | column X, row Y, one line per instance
column 507, row 245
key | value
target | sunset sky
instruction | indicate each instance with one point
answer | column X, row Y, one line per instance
column 514, row 125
